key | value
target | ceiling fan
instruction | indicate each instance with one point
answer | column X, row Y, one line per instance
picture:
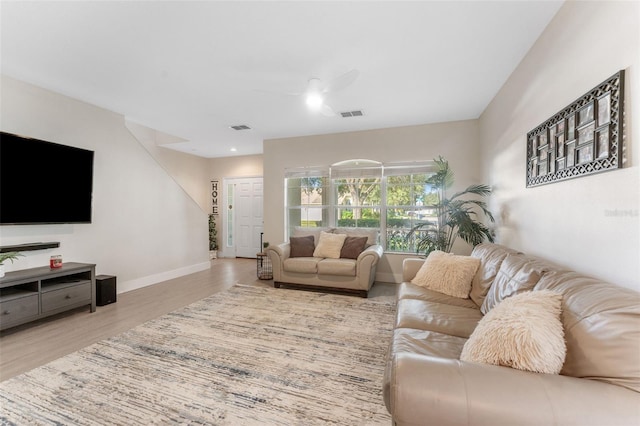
column 317, row 90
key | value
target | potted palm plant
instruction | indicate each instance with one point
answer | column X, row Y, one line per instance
column 213, row 238
column 457, row 216
column 7, row 256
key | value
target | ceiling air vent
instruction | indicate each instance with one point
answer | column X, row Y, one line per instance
column 240, row 127
column 357, row 113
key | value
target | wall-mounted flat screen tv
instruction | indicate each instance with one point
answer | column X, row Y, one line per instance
column 43, row 182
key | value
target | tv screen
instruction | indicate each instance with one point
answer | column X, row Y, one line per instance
column 43, row 182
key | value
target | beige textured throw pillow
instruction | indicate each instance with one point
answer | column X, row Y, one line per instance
column 447, row 273
column 329, row 245
column 523, row 331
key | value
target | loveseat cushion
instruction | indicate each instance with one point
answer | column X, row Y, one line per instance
column 438, row 317
column 352, row 247
column 412, row 291
column 303, row 265
column 342, row 267
column 602, row 328
column 329, row 245
column 517, row 273
column 302, row 246
column 491, row 257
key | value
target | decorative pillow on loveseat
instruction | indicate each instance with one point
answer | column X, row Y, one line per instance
column 352, row 247
column 447, row 273
column 329, row 245
column 523, row 331
column 301, row 246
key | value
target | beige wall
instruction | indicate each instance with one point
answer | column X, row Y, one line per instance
column 145, row 228
column 456, row 141
column 591, row 224
column 189, row 171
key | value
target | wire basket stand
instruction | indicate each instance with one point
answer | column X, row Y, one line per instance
column 265, row 269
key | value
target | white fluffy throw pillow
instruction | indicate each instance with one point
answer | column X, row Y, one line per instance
column 329, row 245
column 523, row 331
column 447, row 273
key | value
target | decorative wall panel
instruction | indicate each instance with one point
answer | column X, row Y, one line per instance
column 582, row 139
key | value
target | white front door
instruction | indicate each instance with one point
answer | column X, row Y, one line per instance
column 248, row 216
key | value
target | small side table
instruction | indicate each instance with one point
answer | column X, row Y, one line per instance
column 265, row 269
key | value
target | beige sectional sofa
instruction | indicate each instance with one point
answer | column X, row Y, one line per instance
column 426, row 383
column 350, row 275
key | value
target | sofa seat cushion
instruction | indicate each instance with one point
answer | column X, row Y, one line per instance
column 438, row 317
column 419, row 342
column 408, row 290
column 304, row 265
column 342, row 267
column 426, row 342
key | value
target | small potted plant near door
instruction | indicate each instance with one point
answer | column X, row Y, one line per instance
column 7, row 256
column 213, row 238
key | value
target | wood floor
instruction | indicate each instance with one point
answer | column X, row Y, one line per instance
column 31, row 345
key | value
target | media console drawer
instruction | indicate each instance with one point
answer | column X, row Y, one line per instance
column 18, row 309
column 71, row 295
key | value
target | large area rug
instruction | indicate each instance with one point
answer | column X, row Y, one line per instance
column 249, row 355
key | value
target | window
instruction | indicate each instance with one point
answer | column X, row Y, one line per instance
column 307, row 198
column 363, row 194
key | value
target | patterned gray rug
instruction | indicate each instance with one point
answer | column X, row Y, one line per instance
column 249, row 355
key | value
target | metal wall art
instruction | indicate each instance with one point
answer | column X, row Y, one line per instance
column 582, row 139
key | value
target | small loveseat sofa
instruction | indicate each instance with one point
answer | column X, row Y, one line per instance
column 349, row 271
column 426, row 382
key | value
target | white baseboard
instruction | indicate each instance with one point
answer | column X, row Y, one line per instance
column 162, row 276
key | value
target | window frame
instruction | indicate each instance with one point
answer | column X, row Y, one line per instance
column 357, row 169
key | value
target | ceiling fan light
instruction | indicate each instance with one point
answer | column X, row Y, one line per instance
column 314, row 101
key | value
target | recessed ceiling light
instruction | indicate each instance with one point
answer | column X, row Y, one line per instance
column 233, row 150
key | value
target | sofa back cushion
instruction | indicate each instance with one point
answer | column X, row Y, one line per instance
column 303, row 231
column 371, row 234
column 602, row 328
column 491, row 257
column 517, row 273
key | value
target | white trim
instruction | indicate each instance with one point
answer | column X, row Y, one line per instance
column 162, row 276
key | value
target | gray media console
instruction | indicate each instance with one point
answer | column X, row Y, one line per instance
column 35, row 293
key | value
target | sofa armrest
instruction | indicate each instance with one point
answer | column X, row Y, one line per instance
column 278, row 254
column 366, row 265
column 430, row 390
column 373, row 252
column 410, row 268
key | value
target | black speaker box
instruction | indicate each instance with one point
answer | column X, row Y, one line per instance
column 105, row 290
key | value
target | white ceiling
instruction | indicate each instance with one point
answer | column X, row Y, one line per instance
column 192, row 69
